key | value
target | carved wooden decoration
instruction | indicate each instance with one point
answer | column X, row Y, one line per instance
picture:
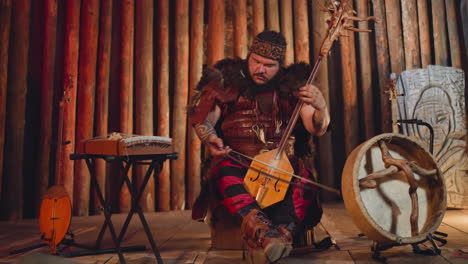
column 436, row 96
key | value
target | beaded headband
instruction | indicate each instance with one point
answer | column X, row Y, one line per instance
column 268, row 49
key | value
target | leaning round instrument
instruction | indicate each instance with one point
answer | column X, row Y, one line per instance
column 393, row 190
column 55, row 216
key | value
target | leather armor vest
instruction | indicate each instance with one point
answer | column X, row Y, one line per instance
column 244, row 120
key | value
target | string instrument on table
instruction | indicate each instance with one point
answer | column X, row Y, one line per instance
column 270, row 173
column 117, row 144
column 55, row 216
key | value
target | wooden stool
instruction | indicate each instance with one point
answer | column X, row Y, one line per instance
column 225, row 229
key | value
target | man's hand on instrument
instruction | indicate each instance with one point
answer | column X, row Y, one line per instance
column 311, row 94
column 315, row 118
column 216, row 146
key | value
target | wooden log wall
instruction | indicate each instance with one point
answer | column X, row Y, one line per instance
column 181, row 92
column 196, row 66
column 102, row 92
column 5, row 18
column 47, row 96
column 144, row 17
column 131, row 66
column 162, row 88
column 86, row 89
column 125, row 82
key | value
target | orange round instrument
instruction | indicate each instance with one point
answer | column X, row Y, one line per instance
column 55, row 216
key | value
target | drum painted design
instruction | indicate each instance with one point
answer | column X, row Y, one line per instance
column 383, row 211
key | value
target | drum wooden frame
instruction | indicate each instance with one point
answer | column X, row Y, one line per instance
column 390, row 204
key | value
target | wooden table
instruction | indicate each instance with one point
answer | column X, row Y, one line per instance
column 155, row 163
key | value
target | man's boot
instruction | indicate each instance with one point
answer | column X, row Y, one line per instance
column 258, row 231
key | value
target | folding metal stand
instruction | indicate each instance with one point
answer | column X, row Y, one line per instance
column 435, row 250
column 126, row 162
column 64, row 244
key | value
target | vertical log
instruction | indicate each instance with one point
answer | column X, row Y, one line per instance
column 179, row 125
column 287, row 30
column 12, row 204
column 395, row 36
column 409, row 15
column 349, row 88
column 5, row 18
column 301, row 31
column 365, row 71
column 272, row 15
column 196, row 67
column 126, row 83
column 85, row 98
column 326, row 168
column 454, row 39
column 440, row 33
column 47, row 93
column 229, row 36
column 33, row 110
column 464, row 25
column 114, row 108
column 240, row 28
column 102, row 92
column 144, row 14
column 64, row 166
column 215, row 32
column 163, row 99
column 383, row 64
column 258, row 7
column 424, row 35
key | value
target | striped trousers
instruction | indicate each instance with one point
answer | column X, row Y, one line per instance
column 301, row 204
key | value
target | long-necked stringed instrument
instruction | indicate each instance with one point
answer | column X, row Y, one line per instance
column 270, row 173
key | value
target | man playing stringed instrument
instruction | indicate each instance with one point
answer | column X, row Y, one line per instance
column 242, row 109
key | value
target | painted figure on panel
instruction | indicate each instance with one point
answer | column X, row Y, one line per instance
column 436, row 107
column 436, row 96
column 242, row 109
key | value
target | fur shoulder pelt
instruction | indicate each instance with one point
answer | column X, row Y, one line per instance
column 227, row 73
column 232, row 71
column 294, row 77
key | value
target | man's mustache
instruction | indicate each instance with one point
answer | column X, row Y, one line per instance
column 260, row 75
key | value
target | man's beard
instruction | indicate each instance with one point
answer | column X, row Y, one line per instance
column 251, row 88
column 269, row 85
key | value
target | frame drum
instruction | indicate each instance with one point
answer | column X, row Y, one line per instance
column 385, row 211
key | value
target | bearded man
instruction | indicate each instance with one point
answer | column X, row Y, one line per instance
column 245, row 106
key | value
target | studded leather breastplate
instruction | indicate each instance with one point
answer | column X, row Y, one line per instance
column 250, row 126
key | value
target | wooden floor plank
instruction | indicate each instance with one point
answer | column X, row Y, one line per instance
column 181, row 240
column 456, row 241
column 325, row 257
column 457, row 219
column 396, row 255
column 342, row 229
column 224, row 257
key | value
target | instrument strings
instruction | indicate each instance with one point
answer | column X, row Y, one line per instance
column 278, row 169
